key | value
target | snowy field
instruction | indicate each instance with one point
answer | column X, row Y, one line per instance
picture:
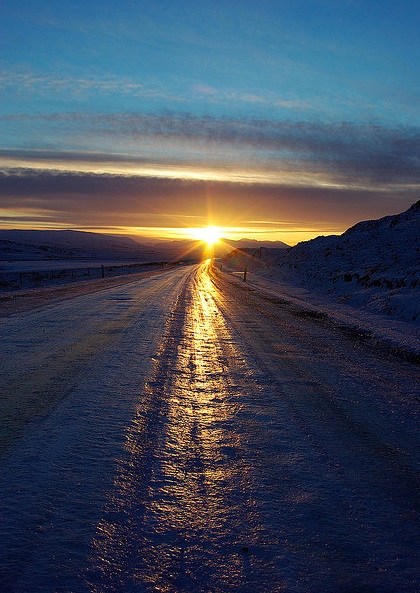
column 60, row 264
column 16, row 276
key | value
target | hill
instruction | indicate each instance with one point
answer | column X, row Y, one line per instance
column 374, row 265
column 255, row 244
column 31, row 245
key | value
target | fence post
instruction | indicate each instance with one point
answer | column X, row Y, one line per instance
column 245, row 273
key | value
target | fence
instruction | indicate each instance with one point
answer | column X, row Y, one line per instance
column 21, row 279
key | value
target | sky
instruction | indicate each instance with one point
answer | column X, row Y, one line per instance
column 273, row 119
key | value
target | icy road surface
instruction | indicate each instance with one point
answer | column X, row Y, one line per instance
column 183, row 433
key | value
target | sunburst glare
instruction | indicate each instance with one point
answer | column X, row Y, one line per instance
column 209, row 234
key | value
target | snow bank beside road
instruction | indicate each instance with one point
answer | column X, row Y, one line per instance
column 368, row 277
column 374, row 265
column 399, row 336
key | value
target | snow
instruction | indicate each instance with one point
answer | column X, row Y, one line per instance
column 393, row 334
column 18, row 276
column 185, row 433
column 32, row 245
column 61, row 264
column 37, row 244
column 72, row 394
column 367, row 278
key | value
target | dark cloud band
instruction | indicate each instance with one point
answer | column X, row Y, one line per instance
column 347, row 152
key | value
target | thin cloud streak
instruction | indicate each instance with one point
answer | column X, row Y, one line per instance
column 42, row 84
column 189, row 173
column 45, row 84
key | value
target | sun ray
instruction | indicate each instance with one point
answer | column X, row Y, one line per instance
column 209, row 235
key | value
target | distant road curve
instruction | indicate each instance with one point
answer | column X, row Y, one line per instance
column 184, row 433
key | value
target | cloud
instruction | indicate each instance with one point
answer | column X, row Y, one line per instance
column 215, row 95
column 36, row 84
column 369, row 156
column 45, row 84
column 42, row 84
column 81, row 200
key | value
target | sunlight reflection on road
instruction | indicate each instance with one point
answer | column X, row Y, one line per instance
column 182, row 513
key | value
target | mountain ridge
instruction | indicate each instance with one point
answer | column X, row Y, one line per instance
column 34, row 244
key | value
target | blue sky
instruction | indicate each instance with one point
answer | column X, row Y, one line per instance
column 279, row 98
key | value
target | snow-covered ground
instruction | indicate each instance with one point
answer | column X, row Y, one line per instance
column 373, row 267
column 61, row 244
column 189, row 433
column 393, row 334
column 17, row 276
column 61, row 264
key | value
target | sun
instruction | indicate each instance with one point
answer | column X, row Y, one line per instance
column 209, row 235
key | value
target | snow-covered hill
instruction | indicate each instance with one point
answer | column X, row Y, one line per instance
column 374, row 265
column 62, row 244
column 255, row 244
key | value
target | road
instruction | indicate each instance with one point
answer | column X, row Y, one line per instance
column 185, row 433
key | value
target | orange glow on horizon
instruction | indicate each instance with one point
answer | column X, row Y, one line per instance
column 290, row 236
column 209, row 235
